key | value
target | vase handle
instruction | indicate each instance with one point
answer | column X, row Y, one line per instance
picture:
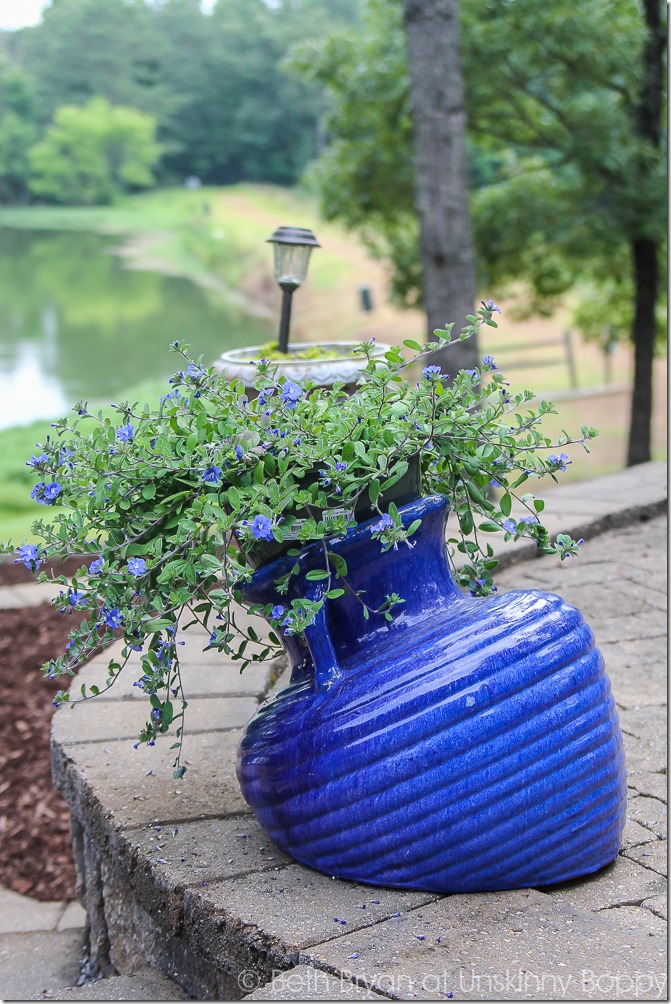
column 320, row 644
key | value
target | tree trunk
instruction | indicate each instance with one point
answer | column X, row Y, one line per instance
column 644, row 252
column 441, row 186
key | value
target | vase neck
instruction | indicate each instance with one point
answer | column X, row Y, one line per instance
column 418, row 571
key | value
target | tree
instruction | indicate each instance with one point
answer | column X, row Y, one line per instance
column 18, row 131
column 566, row 158
column 577, row 101
column 377, row 119
column 243, row 117
column 88, row 48
column 441, row 186
column 93, row 153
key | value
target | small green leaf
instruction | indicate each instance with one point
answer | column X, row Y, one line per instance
column 506, row 504
column 474, row 491
column 465, row 521
column 159, row 624
column 338, row 563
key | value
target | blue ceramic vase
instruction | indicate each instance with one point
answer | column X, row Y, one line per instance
column 471, row 744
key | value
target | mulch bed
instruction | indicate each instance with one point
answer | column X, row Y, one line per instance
column 35, row 845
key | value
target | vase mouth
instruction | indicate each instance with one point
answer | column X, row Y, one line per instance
column 418, row 509
column 407, row 489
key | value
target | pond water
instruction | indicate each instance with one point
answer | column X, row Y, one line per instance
column 74, row 323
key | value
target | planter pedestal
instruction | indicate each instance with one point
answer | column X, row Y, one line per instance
column 471, row 744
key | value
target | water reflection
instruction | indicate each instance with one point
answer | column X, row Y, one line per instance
column 75, row 324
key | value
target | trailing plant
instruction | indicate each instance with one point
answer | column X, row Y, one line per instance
column 174, row 502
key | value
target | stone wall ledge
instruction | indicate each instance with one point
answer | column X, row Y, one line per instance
column 178, row 876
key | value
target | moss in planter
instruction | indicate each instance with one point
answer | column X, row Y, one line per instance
column 271, row 352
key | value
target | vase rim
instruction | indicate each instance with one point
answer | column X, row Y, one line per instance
column 423, row 506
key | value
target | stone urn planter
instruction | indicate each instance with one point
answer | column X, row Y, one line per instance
column 321, row 363
column 471, row 744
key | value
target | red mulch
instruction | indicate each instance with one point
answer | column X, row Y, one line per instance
column 35, row 845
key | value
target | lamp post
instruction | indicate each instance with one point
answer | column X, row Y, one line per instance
column 292, row 254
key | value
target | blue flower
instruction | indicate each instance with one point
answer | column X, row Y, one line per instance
column 239, row 451
column 46, row 494
column 29, row 555
column 75, row 598
column 430, row 371
column 291, row 392
column 113, row 617
column 125, row 433
column 488, row 361
column 137, row 566
column 38, row 461
column 194, row 371
column 65, row 455
column 261, row 528
column 277, row 611
column 528, row 519
column 473, row 373
column 491, row 306
column 96, row 566
column 561, row 462
column 340, row 466
column 212, row 475
column 510, row 525
column 385, row 523
column 52, row 491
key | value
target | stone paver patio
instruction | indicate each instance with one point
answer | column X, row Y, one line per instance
column 178, row 877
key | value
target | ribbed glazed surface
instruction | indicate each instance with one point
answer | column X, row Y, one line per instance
column 474, row 748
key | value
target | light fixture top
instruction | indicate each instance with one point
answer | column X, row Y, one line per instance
column 294, row 235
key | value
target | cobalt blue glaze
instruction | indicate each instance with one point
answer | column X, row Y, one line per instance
column 471, row 744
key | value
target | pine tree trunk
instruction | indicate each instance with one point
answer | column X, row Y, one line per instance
column 441, row 185
column 644, row 252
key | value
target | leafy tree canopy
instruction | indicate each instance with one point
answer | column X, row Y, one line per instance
column 561, row 179
column 94, row 152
